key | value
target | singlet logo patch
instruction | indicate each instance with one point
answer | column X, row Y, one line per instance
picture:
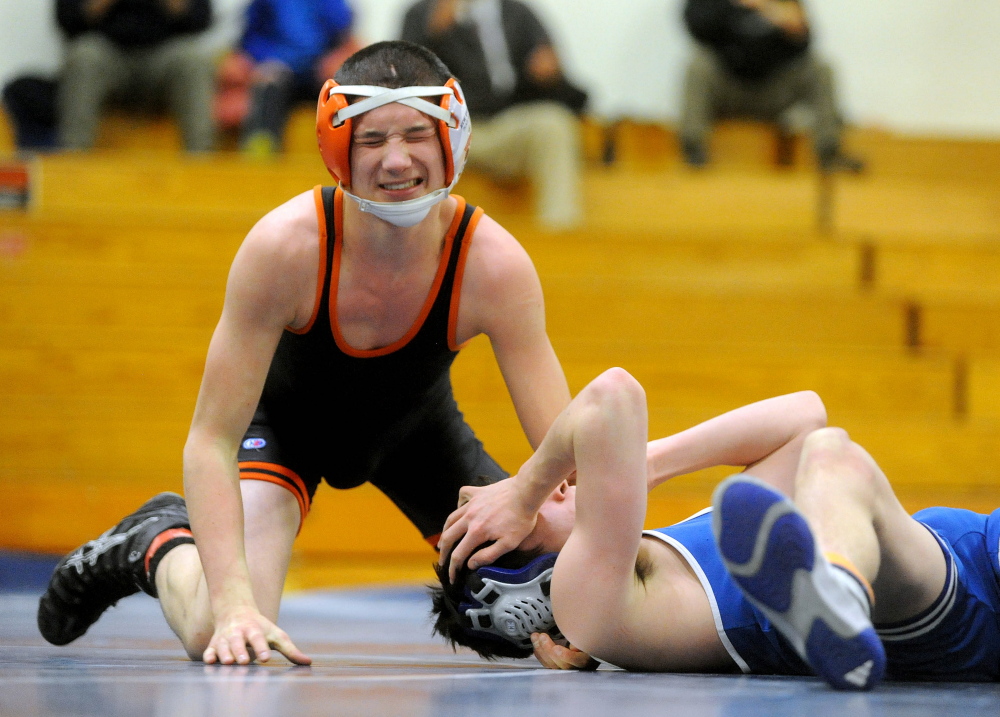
column 254, row 443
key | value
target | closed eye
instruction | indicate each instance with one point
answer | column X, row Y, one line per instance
column 412, row 135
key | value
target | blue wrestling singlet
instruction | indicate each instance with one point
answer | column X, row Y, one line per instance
column 956, row 638
column 753, row 643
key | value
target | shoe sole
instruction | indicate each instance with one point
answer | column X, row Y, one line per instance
column 771, row 554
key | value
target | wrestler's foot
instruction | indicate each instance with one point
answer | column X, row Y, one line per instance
column 822, row 609
column 101, row 572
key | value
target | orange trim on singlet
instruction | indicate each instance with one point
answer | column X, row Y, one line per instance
column 321, row 271
column 456, row 289
column 428, row 302
column 164, row 537
column 297, row 487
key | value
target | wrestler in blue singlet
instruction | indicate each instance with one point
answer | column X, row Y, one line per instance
column 956, row 638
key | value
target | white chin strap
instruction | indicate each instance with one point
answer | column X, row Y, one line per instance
column 407, row 213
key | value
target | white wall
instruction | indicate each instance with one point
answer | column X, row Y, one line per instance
column 918, row 66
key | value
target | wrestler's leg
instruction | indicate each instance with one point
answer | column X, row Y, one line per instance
column 854, row 512
column 271, row 516
column 809, row 565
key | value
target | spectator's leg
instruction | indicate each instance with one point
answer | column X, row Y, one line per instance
column 816, row 81
column 818, row 90
column 542, row 141
column 699, row 105
column 497, row 149
column 183, row 71
column 555, row 165
column 769, row 99
column 271, row 93
column 95, row 68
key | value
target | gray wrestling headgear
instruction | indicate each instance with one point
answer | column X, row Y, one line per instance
column 510, row 604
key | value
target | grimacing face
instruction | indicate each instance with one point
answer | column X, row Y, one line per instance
column 395, row 154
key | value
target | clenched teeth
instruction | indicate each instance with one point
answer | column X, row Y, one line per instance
column 401, row 185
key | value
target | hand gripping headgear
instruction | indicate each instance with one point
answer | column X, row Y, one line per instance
column 334, row 127
column 510, row 604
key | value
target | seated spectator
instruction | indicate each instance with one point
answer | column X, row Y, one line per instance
column 753, row 60
column 142, row 53
column 288, row 50
column 522, row 107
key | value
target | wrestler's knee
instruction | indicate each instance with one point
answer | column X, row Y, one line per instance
column 196, row 643
column 831, row 450
column 826, row 439
column 616, row 387
column 553, row 130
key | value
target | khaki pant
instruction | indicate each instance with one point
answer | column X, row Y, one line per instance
column 711, row 92
column 179, row 74
column 539, row 141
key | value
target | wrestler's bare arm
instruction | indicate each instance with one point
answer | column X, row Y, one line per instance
column 663, row 621
column 602, row 436
column 765, row 436
column 502, row 298
column 268, row 288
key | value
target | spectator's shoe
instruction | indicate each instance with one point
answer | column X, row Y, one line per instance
column 837, row 161
column 261, row 146
column 694, row 153
column 101, row 572
column 822, row 609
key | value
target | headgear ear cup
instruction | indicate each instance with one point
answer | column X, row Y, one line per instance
column 335, row 140
column 455, row 140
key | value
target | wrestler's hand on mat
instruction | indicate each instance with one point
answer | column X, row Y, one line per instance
column 557, row 657
column 243, row 634
column 494, row 512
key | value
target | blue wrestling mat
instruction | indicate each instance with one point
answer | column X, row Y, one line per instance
column 374, row 656
column 25, row 572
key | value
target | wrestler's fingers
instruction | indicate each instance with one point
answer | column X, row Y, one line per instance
column 546, row 652
column 465, row 494
column 223, row 654
column 259, row 644
column 543, row 652
column 455, row 516
column 575, row 659
column 454, row 528
column 558, row 657
column 283, row 644
column 238, row 648
column 490, row 554
column 460, row 555
column 448, row 540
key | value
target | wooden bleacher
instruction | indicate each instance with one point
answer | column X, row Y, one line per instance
column 715, row 288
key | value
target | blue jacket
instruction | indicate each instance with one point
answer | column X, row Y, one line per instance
column 296, row 32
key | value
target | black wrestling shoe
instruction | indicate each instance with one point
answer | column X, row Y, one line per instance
column 101, row 572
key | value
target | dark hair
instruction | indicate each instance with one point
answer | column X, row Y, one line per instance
column 447, row 596
column 393, row 64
